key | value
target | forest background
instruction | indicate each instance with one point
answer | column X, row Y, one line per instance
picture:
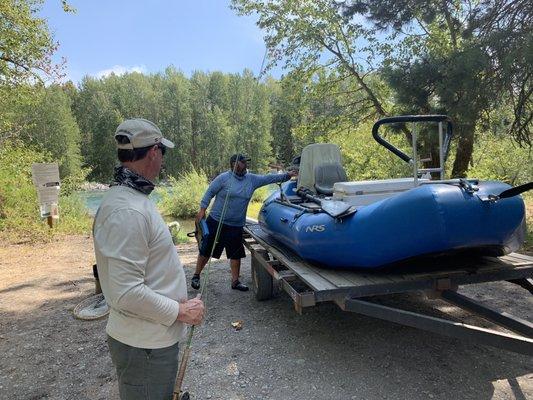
column 346, row 65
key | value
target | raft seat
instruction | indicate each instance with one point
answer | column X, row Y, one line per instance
column 326, row 175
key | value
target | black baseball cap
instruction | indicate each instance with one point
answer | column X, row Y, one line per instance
column 239, row 157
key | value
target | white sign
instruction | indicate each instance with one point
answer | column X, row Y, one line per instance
column 46, row 180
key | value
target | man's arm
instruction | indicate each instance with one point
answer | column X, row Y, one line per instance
column 201, row 214
column 262, row 180
column 212, row 190
column 127, row 251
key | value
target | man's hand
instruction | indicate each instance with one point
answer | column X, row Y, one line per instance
column 200, row 215
column 292, row 173
column 191, row 311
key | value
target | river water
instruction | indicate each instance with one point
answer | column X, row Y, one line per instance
column 93, row 198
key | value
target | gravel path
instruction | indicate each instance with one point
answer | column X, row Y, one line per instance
column 323, row 354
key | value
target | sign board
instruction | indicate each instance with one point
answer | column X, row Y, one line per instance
column 46, row 180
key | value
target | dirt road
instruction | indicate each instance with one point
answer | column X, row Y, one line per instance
column 323, row 354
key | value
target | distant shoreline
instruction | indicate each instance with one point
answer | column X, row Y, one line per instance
column 94, row 186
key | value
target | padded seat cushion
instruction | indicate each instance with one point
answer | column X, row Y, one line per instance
column 326, row 175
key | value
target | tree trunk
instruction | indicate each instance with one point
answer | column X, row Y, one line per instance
column 463, row 154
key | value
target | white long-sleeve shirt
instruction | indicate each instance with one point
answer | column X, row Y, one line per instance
column 139, row 270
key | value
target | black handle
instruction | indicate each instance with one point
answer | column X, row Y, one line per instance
column 411, row 118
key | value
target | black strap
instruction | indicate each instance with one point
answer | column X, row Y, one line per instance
column 516, row 190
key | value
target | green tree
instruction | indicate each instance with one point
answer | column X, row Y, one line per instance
column 26, row 47
column 174, row 116
column 50, row 126
column 97, row 118
column 208, row 116
column 250, row 119
column 462, row 58
column 285, row 107
column 312, row 36
column 456, row 57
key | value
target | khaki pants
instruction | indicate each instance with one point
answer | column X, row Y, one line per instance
column 144, row 374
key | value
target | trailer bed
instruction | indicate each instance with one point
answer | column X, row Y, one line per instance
column 358, row 284
column 275, row 266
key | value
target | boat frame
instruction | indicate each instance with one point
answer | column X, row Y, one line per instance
column 275, row 267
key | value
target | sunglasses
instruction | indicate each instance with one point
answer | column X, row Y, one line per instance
column 163, row 149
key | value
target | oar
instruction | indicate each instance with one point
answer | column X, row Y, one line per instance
column 509, row 192
column 334, row 208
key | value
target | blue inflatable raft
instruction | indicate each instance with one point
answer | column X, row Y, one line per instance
column 372, row 224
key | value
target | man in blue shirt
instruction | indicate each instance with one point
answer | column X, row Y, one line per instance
column 239, row 186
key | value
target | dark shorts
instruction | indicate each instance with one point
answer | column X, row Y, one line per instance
column 230, row 238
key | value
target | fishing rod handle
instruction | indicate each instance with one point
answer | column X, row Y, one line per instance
column 181, row 372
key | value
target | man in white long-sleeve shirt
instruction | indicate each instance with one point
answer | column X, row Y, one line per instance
column 139, row 269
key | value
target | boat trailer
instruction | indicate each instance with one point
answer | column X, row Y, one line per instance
column 275, row 267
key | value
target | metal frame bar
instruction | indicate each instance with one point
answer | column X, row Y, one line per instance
column 508, row 321
column 517, row 344
column 416, row 170
column 415, row 155
column 526, row 283
column 424, row 170
column 441, row 152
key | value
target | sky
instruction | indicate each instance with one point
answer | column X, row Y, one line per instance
column 148, row 36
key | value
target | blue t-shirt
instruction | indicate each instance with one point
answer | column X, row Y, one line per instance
column 241, row 189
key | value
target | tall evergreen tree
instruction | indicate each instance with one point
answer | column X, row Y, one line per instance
column 50, row 125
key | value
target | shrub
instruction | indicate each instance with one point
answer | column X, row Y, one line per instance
column 177, row 233
column 182, row 200
column 19, row 208
column 73, row 215
column 19, row 218
column 365, row 159
column 499, row 158
column 263, row 192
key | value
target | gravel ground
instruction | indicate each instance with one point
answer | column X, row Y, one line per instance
column 323, row 354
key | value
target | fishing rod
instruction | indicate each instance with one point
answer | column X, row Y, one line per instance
column 205, row 278
column 177, row 394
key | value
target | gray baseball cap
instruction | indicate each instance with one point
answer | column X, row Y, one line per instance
column 141, row 133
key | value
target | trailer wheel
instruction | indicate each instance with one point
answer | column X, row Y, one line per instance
column 261, row 280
